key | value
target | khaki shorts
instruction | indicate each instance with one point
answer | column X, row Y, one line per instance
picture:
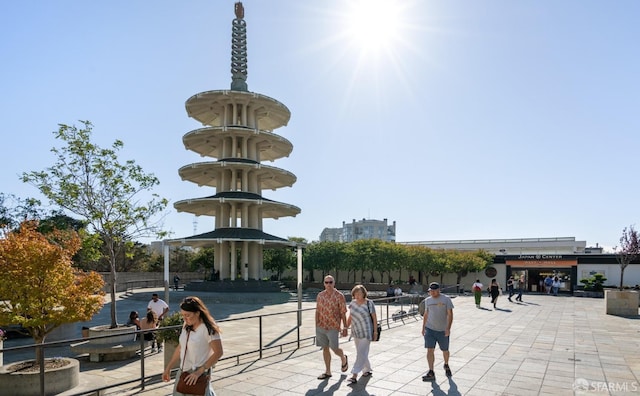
column 326, row 337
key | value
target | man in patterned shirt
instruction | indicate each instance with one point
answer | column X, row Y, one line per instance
column 331, row 309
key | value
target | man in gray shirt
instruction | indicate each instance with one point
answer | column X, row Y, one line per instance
column 436, row 328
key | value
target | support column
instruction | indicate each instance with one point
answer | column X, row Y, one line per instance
column 234, row 261
column 244, row 258
column 223, row 260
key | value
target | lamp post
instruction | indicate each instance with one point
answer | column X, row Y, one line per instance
column 299, row 275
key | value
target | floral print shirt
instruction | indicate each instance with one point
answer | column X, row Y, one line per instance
column 330, row 308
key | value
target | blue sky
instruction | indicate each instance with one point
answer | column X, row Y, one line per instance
column 456, row 119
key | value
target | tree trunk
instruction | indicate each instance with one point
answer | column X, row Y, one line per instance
column 114, row 322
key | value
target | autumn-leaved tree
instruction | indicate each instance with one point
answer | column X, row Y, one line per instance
column 92, row 183
column 40, row 289
column 629, row 250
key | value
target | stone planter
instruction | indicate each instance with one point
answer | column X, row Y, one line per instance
column 106, row 330
column 56, row 380
column 591, row 294
column 169, row 349
column 622, row 302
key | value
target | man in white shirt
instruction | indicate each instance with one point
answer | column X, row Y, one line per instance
column 160, row 308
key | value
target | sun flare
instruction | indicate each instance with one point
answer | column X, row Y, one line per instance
column 373, row 25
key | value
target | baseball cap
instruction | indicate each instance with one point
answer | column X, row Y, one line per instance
column 434, row 286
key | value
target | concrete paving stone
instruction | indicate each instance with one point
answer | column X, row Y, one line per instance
column 582, row 341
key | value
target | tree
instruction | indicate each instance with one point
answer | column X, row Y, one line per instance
column 461, row 263
column 325, row 256
column 90, row 182
column 40, row 288
column 279, row 260
column 629, row 250
column 203, row 259
column 14, row 210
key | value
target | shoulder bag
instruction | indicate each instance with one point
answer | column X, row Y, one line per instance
column 379, row 328
column 201, row 384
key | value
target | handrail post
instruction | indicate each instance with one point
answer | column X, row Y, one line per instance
column 298, row 327
column 142, row 358
column 260, row 333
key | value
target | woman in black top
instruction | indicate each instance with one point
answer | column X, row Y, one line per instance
column 495, row 292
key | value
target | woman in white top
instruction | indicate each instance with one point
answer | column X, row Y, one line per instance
column 204, row 346
column 477, row 292
column 364, row 328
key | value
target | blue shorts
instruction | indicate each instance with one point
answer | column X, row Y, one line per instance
column 433, row 336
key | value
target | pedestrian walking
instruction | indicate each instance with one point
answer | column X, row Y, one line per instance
column 436, row 328
column 495, row 292
column 331, row 309
column 199, row 347
column 510, row 289
column 555, row 285
column 160, row 308
column 520, row 288
column 548, row 283
column 363, row 322
column 477, row 292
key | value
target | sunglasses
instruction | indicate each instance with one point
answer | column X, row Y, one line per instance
column 325, row 282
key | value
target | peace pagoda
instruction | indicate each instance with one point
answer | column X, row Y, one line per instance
column 237, row 137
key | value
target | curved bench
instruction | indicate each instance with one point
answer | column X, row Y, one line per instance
column 108, row 352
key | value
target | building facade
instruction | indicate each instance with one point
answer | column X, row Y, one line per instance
column 536, row 258
column 361, row 229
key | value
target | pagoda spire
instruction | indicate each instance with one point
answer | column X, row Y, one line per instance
column 239, row 51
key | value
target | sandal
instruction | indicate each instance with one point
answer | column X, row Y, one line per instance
column 367, row 374
column 324, row 376
column 345, row 366
column 352, row 381
column 447, row 370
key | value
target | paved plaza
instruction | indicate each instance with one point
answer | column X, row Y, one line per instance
column 544, row 346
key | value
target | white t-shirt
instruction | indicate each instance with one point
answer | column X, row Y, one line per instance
column 198, row 349
column 157, row 307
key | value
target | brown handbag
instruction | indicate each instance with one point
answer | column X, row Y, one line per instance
column 200, row 387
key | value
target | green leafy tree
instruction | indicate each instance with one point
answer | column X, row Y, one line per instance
column 14, row 210
column 40, row 288
column 203, row 259
column 461, row 263
column 420, row 258
column 628, row 251
column 91, row 182
column 325, row 256
column 279, row 260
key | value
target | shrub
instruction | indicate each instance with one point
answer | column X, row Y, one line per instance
column 172, row 334
column 594, row 283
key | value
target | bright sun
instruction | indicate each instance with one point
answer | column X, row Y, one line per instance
column 373, row 25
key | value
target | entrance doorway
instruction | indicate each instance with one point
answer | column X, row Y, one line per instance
column 535, row 278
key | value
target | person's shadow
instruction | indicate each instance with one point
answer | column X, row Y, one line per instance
column 359, row 387
column 329, row 391
column 453, row 389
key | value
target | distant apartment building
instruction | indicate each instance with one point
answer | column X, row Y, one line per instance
column 361, row 229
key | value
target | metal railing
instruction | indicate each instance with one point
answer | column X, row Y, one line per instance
column 393, row 312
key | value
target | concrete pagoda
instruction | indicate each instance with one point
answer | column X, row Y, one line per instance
column 238, row 134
